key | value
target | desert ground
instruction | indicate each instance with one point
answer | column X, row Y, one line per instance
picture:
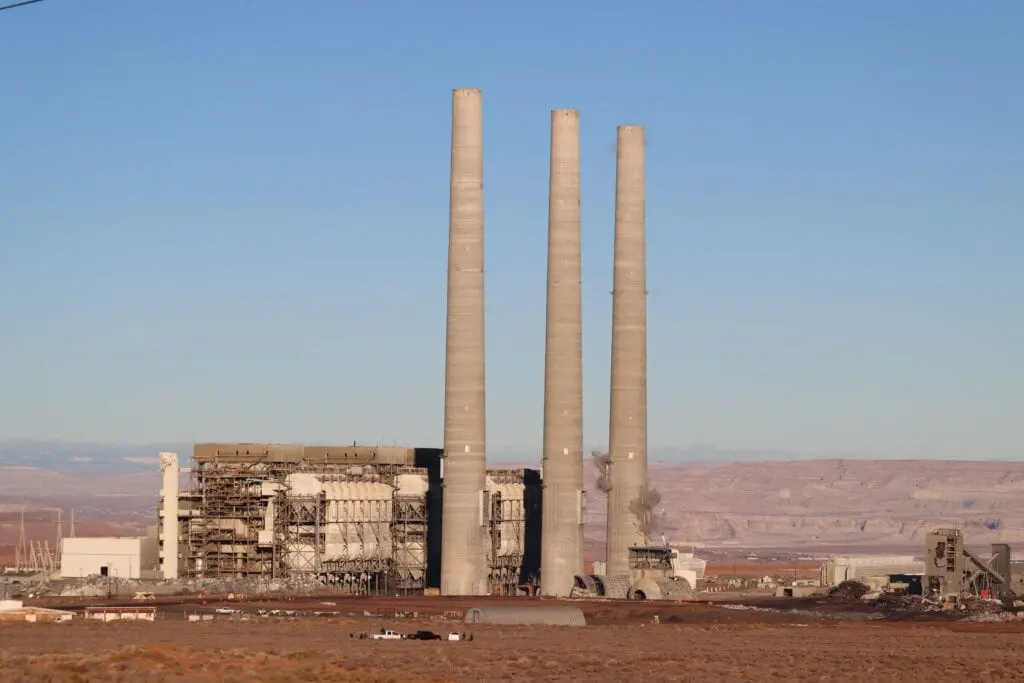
column 324, row 650
column 804, row 508
column 691, row 642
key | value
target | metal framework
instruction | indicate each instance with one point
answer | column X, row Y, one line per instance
column 244, row 518
column 354, row 518
column 409, row 536
column 507, row 527
column 359, row 524
column 651, row 558
column 297, row 525
column 228, row 512
column 952, row 572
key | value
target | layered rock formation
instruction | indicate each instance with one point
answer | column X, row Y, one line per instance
column 831, row 503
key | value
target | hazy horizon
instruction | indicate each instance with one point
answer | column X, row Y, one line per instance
column 520, row 454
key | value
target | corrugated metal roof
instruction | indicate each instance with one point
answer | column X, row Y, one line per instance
column 523, row 615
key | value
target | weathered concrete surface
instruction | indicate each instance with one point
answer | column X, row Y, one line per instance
column 628, row 415
column 562, row 541
column 463, row 554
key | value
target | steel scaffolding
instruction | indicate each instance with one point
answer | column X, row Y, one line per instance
column 507, row 525
column 409, row 536
column 298, row 526
column 228, row 511
column 244, row 518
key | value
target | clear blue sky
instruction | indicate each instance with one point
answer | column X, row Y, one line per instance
column 228, row 220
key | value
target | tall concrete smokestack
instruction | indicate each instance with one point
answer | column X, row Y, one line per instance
column 628, row 424
column 562, row 535
column 463, row 524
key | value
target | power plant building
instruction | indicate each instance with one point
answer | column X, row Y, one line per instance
column 366, row 519
column 371, row 519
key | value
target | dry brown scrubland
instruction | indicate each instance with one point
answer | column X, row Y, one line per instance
column 323, row 651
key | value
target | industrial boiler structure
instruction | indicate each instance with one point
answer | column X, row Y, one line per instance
column 365, row 519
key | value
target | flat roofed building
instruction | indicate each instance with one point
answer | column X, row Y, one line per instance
column 123, row 558
column 837, row 569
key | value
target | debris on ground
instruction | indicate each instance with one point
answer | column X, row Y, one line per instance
column 906, row 603
column 990, row 617
column 848, row 591
column 983, row 606
column 101, row 586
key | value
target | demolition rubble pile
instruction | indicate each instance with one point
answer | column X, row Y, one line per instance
column 988, row 617
column 848, row 591
column 975, row 610
column 854, row 592
column 841, row 616
column 101, row 586
column 906, row 603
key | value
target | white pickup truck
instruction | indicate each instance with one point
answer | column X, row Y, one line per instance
column 387, row 634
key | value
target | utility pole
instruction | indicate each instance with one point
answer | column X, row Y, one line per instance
column 15, row 5
column 21, row 551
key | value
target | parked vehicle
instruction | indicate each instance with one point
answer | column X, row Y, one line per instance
column 425, row 635
column 387, row 634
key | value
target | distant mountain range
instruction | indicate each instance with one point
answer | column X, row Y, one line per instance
column 723, row 498
column 119, row 458
column 85, row 457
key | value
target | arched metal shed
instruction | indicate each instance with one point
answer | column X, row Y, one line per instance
column 509, row 615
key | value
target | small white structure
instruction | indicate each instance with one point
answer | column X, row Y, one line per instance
column 122, row 558
column 686, row 565
column 15, row 610
column 865, row 568
column 121, row 613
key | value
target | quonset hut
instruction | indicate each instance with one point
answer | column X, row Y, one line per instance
column 526, row 615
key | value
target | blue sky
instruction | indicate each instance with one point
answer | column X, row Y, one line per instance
column 228, row 220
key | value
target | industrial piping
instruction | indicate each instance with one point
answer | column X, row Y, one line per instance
column 628, row 411
column 464, row 520
column 563, row 500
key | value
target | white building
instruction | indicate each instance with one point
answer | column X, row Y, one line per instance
column 686, row 565
column 123, row 558
column 866, row 568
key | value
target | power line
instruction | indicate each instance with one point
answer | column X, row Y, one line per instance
column 18, row 4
